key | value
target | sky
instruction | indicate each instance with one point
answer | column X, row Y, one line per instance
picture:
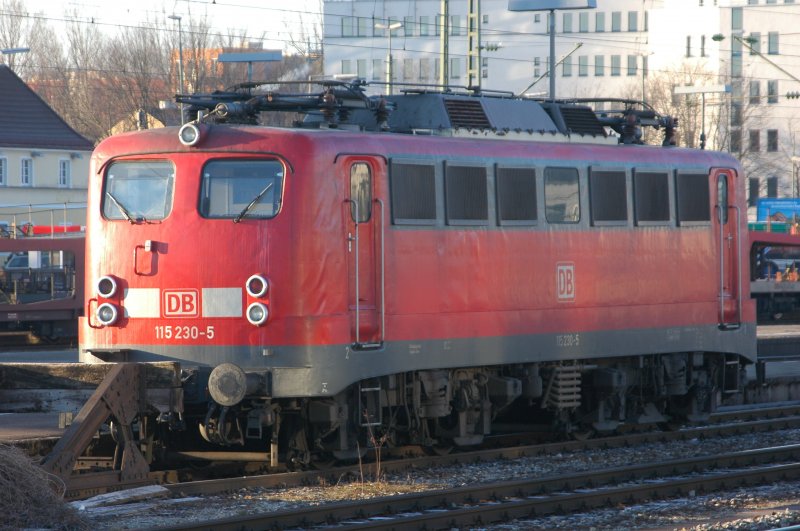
column 277, row 20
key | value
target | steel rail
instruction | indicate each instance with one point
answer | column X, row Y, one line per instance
column 492, row 502
column 84, row 486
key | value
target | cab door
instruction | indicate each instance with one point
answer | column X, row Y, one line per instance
column 727, row 223
column 364, row 240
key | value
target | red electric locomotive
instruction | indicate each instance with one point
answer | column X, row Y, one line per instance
column 418, row 267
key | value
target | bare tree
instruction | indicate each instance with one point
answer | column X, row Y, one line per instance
column 20, row 29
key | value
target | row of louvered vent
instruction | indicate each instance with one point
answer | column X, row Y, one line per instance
column 469, row 114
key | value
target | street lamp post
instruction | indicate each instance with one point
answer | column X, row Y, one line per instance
column 389, row 59
column 714, row 89
column 551, row 6
column 13, row 51
column 180, row 57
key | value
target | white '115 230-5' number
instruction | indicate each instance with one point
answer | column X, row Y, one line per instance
column 183, row 332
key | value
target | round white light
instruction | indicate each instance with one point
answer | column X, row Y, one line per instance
column 257, row 286
column 189, row 135
column 107, row 314
column 257, row 314
column 106, row 286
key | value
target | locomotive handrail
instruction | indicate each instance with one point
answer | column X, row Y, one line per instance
column 722, row 321
column 383, row 269
column 354, row 203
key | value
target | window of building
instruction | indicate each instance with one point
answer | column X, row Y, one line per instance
column 64, row 173
column 755, row 92
column 537, row 18
column 736, row 18
column 650, row 197
column 362, row 26
column 772, row 91
column 413, row 193
column 348, row 26
column 437, row 69
column 583, row 65
column 583, row 22
column 361, row 68
column 440, row 22
column 693, row 198
column 736, row 113
column 424, row 69
column 599, row 65
column 408, row 69
column 772, row 140
column 702, row 45
column 633, row 21
column 516, row 196
column 755, row 140
column 566, row 22
column 455, row 68
column 485, row 19
column 466, row 195
column 772, row 44
column 615, row 65
column 562, row 195
column 346, row 67
column 456, row 26
column 408, row 26
column 424, row 26
column 3, row 171
column 632, row 65
column 599, row 21
column 26, row 172
column 616, row 21
column 377, row 69
column 537, row 65
column 566, row 66
column 608, row 197
column 736, row 58
column 688, row 46
column 736, row 141
column 754, row 41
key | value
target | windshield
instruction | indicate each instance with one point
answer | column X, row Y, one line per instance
column 237, row 189
column 138, row 191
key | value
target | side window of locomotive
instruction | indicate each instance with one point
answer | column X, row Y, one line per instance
column 694, row 205
column 651, row 198
column 562, row 195
column 360, row 192
column 413, row 189
column 466, row 196
column 138, row 191
column 608, row 197
column 722, row 198
column 516, row 196
column 238, row 189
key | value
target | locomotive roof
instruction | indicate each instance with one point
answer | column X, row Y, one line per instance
column 426, row 110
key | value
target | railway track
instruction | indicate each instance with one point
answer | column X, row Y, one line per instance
column 502, row 501
column 186, row 482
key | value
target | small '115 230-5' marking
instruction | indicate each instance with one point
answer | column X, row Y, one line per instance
column 184, row 332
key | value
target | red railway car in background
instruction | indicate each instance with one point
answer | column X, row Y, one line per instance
column 420, row 266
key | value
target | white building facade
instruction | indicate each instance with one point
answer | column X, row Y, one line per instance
column 620, row 49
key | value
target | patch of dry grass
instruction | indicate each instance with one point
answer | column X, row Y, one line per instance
column 30, row 497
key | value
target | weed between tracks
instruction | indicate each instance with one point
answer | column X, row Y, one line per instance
column 32, row 498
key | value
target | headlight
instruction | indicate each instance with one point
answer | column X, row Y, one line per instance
column 107, row 314
column 106, row 286
column 257, row 313
column 189, row 135
column 257, row 286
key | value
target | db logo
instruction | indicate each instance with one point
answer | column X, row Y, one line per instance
column 565, row 281
column 180, row 303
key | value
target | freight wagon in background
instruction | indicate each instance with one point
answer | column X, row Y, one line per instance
column 41, row 280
